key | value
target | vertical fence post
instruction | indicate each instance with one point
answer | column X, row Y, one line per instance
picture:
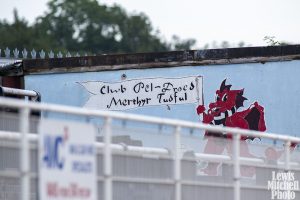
column 107, row 160
column 24, row 153
column 287, row 146
column 236, row 166
column 177, row 164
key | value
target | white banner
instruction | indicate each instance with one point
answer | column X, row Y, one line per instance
column 143, row 92
column 67, row 161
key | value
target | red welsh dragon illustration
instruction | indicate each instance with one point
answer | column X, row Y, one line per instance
column 225, row 111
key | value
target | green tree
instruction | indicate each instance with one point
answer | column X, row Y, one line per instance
column 179, row 44
column 272, row 41
column 18, row 34
column 87, row 26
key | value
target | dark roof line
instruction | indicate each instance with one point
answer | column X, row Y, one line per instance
column 162, row 59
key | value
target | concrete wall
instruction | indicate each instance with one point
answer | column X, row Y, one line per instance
column 275, row 85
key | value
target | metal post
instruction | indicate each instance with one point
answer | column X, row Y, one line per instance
column 177, row 164
column 107, row 160
column 287, row 146
column 24, row 153
column 236, row 166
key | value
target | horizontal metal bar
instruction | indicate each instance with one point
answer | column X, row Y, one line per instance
column 209, row 184
column 212, row 157
column 142, row 118
column 226, row 158
column 157, row 153
column 10, row 173
column 254, row 187
column 8, row 135
column 18, row 92
column 213, row 184
column 145, row 150
column 278, row 166
column 143, row 180
column 15, row 174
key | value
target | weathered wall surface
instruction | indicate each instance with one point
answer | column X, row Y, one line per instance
column 275, row 85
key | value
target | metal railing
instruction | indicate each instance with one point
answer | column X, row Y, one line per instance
column 32, row 95
column 108, row 148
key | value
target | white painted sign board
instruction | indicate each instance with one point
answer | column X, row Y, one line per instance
column 143, row 92
column 67, row 161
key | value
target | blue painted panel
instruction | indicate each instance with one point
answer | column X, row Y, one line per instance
column 275, row 85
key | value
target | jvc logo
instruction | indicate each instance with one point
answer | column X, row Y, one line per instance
column 52, row 157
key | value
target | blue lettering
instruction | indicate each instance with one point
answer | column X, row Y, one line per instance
column 82, row 167
column 81, row 149
column 51, row 148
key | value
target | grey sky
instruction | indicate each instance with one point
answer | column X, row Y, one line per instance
column 204, row 20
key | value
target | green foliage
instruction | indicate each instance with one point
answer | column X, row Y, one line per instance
column 16, row 34
column 224, row 44
column 86, row 26
column 179, row 44
column 271, row 41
